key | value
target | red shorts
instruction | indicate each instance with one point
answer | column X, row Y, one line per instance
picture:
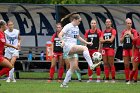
column 108, row 52
column 127, row 52
column 1, row 59
column 91, row 51
column 57, row 54
column 136, row 55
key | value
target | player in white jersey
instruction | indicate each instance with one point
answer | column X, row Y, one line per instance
column 12, row 37
column 70, row 34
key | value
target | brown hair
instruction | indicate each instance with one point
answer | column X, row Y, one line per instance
column 71, row 16
column 2, row 22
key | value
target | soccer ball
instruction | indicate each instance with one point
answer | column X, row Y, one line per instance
column 97, row 56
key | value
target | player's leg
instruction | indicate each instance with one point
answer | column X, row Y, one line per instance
column 5, row 63
column 52, row 68
column 111, row 54
column 126, row 59
column 135, row 67
column 106, row 65
column 77, row 70
column 61, row 68
column 84, row 50
column 69, row 72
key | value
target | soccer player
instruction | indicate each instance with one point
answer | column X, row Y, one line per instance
column 3, row 61
column 127, row 36
column 68, row 37
column 93, row 35
column 108, row 44
column 12, row 37
column 135, row 59
column 57, row 55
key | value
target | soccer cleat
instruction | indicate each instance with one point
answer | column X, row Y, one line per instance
column 14, row 80
column 8, row 80
column 112, row 81
column 98, row 80
column 95, row 65
column 64, row 86
column 106, row 81
column 128, row 82
column 89, row 81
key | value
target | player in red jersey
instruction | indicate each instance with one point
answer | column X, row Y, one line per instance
column 93, row 35
column 108, row 42
column 57, row 55
column 127, row 36
column 3, row 61
column 135, row 59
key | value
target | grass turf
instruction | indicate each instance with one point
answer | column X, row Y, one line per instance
column 41, row 86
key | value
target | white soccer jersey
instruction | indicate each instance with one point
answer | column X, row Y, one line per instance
column 70, row 33
column 11, row 38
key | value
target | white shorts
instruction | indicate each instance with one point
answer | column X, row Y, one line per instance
column 9, row 54
column 66, row 49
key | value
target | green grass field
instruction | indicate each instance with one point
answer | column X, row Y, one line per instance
column 41, row 86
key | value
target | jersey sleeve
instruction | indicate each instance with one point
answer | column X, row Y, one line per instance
column 65, row 28
column 114, row 32
column 52, row 39
column 99, row 33
column 135, row 34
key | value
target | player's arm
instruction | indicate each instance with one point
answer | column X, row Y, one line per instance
column 60, row 35
column 102, row 40
column 19, row 41
column 9, row 45
column 113, row 36
column 83, row 41
column 122, row 37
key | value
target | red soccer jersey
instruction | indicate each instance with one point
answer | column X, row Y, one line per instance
column 98, row 31
column 53, row 37
column 136, row 42
column 108, row 30
column 2, row 42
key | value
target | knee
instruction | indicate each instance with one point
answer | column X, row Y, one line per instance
column 85, row 48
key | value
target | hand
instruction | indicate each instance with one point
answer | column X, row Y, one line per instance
column 62, row 44
column 18, row 46
column 89, row 43
column 132, row 58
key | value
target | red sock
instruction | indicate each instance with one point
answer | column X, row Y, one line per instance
column 60, row 72
column 132, row 75
column 98, row 71
column 113, row 72
column 52, row 70
column 136, row 75
column 90, row 72
column 127, row 72
column 4, row 71
column 106, row 71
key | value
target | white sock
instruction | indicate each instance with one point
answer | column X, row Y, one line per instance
column 67, row 77
column 87, row 57
column 11, row 73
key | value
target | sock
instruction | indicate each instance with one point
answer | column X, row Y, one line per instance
column 132, row 75
column 127, row 72
column 11, row 73
column 60, row 72
column 78, row 74
column 67, row 77
column 52, row 70
column 90, row 72
column 87, row 57
column 113, row 72
column 136, row 75
column 98, row 71
column 106, row 71
column 4, row 71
